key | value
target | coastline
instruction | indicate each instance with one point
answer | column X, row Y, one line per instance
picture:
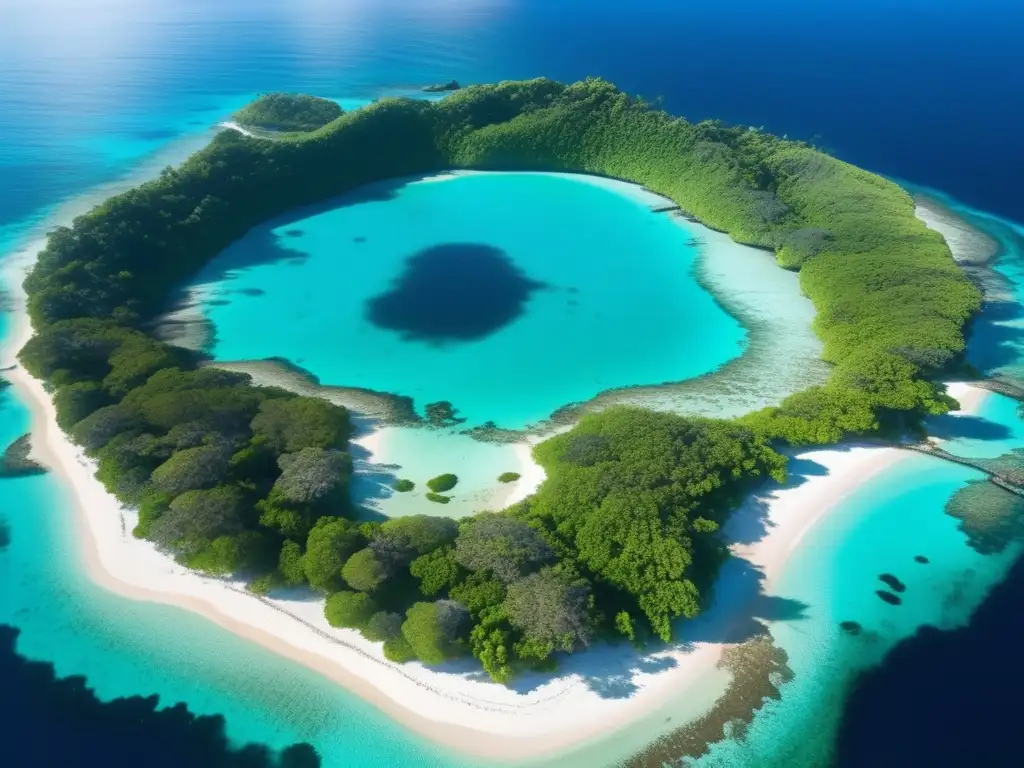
column 449, row 707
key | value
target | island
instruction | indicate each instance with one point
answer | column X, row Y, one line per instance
column 622, row 539
column 287, row 113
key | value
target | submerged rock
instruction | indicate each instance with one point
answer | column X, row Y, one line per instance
column 892, row 582
column 850, row 627
column 921, row 559
column 16, row 462
column 889, row 597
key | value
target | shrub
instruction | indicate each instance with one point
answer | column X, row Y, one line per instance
column 508, row 477
column 404, row 486
column 442, row 483
column 349, row 609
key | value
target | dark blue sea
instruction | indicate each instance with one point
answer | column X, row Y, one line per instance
column 93, row 91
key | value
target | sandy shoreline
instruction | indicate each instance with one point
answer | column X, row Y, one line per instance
column 451, row 707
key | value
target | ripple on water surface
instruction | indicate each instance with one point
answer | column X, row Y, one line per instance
column 509, row 295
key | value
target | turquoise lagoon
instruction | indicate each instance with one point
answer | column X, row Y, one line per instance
column 509, row 295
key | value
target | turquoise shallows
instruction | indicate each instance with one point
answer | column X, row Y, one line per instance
column 879, row 529
column 612, row 300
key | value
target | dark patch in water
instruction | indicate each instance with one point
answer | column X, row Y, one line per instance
column 61, row 722
column 944, row 697
column 218, row 302
column 294, row 232
column 252, row 292
column 451, row 293
column 892, row 582
column 889, row 597
column 921, row 559
column 850, row 627
column 359, row 239
column 5, row 535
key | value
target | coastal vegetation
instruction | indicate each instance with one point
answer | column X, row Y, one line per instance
column 621, row 539
column 508, row 477
column 288, row 112
column 442, row 483
column 404, row 486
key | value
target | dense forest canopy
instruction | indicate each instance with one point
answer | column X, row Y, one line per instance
column 622, row 537
column 288, row 112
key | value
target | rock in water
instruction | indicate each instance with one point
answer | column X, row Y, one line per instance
column 889, row 597
column 850, row 627
column 892, row 582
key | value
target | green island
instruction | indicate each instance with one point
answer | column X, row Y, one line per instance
column 621, row 539
column 288, row 113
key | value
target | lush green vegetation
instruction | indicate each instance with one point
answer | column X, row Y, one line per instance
column 438, row 498
column 508, row 477
column 442, row 483
column 404, row 486
column 288, row 112
column 621, row 538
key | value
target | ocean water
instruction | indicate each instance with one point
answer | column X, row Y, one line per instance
column 92, row 91
column 508, row 295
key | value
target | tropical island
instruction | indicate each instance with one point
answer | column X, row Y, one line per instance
column 622, row 538
column 288, row 113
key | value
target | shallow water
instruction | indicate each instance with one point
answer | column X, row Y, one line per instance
column 508, row 295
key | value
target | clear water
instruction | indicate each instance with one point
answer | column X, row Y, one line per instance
column 533, row 292
column 92, row 91
column 879, row 529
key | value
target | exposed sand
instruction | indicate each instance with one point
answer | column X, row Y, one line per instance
column 970, row 396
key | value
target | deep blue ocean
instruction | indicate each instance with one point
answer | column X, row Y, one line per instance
column 92, row 91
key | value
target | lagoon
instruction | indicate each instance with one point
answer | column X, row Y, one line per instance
column 508, row 295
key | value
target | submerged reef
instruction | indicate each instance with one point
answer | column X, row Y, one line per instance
column 15, row 461
column 759, row 668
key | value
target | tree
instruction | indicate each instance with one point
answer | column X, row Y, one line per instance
column 76, row 401
column 500, row 545
column 100, row 427
column 331, row 541
column 437, row 571
column 290, row 564
column 363, row 571
column 433, row 630
column 550, row 610
column 193, row 468
column 195, row 518
column 383, row 626
column 349, row 609
column 397, row 542
column 313, row 475
column 289, row 424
